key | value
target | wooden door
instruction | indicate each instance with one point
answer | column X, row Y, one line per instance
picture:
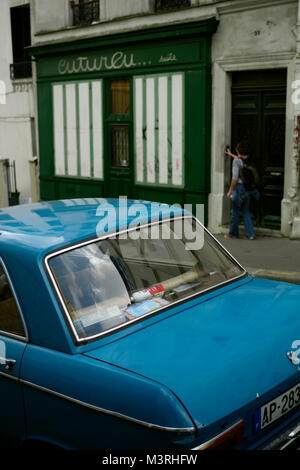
column 258, row 119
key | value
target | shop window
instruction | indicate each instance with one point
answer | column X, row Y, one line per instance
column 20, row 33
column 166, row 5
column 120, row 97
column 85, row 12
column 119, row 146
column 78, row 129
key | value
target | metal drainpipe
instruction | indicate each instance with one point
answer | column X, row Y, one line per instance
column 294, row 188
column 293, row 192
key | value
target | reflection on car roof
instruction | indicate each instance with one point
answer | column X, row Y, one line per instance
column 58, row 223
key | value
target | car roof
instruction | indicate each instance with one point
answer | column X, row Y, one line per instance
column 46, row 226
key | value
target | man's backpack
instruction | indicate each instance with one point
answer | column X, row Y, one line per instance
column 249, row 176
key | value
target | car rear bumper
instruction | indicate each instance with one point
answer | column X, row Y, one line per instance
column 288, row 440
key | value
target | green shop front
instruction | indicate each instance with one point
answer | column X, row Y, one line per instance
column 128, row 114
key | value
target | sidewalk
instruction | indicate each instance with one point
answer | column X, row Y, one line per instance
column 272, row 258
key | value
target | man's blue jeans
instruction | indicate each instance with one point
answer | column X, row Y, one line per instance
column 240, row 200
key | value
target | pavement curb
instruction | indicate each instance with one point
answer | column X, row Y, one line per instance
column 259, row 232
column 283, row 276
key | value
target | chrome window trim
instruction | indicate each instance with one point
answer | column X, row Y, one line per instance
column 137, row 320
column 206, row 443
column 7, row 376
column 223, row 248
column 157, row 427
column 7, row 333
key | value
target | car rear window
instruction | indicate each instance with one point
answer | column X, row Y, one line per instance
column 112, row 282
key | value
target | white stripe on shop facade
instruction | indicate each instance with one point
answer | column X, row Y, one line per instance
column 163, row 129
column 71, row 130
column 84, row 129
column 139, row 129
column 177, row 133
column 150, row 133
column 59, row 131
column 97, row 128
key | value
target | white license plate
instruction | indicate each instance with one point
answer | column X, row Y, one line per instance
column 276, row 408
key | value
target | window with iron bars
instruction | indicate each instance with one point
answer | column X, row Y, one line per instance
column 85, row 12
column 167, row 5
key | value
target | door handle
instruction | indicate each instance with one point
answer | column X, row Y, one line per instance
column 8, row 363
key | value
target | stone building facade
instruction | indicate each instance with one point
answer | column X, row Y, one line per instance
column 140, row 98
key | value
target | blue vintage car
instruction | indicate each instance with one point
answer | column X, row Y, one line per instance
column 130, row 326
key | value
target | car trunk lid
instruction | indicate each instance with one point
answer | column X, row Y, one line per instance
column 216, row 355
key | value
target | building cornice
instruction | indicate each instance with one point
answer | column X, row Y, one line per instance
column 200, row 27
column 126, row 24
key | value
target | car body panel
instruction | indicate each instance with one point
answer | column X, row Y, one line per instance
column 11, row 396
column 78, row 391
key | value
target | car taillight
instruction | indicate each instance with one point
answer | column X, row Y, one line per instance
column 226, row 440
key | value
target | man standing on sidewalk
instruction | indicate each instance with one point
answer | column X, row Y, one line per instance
column 240, row 198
